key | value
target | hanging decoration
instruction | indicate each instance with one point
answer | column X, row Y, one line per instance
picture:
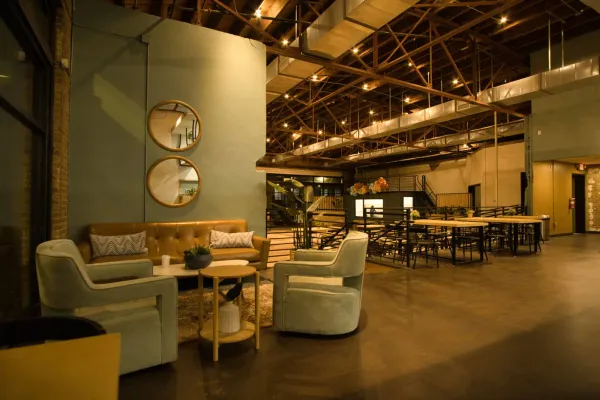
column 378, row 186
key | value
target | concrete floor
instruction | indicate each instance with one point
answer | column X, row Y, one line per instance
column 513, row 328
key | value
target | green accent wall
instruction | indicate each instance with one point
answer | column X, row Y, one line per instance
column 124, row 62
column 567, row 124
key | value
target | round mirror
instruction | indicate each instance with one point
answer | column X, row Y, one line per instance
column 173, row 181
column 174, row 125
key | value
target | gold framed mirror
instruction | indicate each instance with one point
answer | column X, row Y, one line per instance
column 173, row 181
column 174, row 125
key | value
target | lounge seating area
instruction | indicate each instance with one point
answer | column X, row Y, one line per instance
column 173, row 238
column 332, row 199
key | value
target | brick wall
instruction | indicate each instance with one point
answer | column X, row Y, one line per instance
column 593, row 197
column 61, row 115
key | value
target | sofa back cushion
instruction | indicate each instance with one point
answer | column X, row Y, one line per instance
column 171, row 238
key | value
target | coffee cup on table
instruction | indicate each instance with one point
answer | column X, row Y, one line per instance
column 166, row 259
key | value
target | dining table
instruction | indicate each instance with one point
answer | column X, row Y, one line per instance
column 514, row 222
column 455, row 226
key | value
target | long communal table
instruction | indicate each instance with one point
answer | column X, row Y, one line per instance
column 513, row 222
column 455, row 225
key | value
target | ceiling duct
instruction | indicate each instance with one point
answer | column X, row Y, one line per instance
column 474, row 136
column 342, row 26
column 526, row 89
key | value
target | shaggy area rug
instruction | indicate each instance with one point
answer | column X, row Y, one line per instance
column 188, row 308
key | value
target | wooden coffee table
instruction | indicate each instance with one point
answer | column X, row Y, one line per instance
column 210, row 331
column 179, row 271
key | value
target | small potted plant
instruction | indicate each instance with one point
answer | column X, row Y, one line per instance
column 511, row 211
column 197, row 257
column 470, row 213
column 414, row 214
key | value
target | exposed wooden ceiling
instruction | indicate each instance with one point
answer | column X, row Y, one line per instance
column 489, row 52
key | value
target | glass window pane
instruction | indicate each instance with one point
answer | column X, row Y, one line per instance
column 16, row 73
column 15, row 214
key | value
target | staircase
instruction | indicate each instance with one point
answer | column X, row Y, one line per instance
column 421, row 185
column 282, row 242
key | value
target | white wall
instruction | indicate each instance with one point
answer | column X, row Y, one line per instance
column 478, row 168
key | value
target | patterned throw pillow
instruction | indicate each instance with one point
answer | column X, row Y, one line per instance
column 223, row 240
column 118, row 245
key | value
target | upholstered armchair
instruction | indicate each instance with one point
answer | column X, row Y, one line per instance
column 121, row 296
column 318, row 305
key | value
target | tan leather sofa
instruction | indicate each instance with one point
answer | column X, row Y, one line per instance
column 173, row 238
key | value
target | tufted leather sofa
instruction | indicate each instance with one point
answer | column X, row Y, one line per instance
column 173, row 238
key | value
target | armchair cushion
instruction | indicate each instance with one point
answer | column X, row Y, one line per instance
column 120, row 269
column 305, row 268
column 314, row 255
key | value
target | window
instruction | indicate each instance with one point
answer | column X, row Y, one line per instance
column 25, row 74
column 372, row 205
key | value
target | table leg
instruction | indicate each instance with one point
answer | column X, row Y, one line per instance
column 215, row 319
column 200, row 303
column 536, row 236
column 481, row 243
column 239, row 301
column 453, row 246
column 257, row 309
column 515, row 238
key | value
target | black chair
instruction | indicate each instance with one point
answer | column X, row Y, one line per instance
column 30, row 331
column 419, row 241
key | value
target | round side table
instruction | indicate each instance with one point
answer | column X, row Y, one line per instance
column 210, row 331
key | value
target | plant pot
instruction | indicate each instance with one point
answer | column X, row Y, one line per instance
column 229, row 318
column 198, row 262
column 470, row 215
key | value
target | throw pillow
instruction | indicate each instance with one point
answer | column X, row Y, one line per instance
column 118, row 245
column 223, row 240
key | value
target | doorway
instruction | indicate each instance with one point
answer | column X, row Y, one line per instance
column 579, row 211
column 475, row 195
column 523, row 188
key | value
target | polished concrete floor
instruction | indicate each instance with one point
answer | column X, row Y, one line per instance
column 513, row 328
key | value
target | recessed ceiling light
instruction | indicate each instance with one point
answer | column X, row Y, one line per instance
column 257, row 13
column 344, row 122
column 285, row 42
column 315, row 77
column 409, row 64
column 371, row 112
column 355, row 50
column 365, row 86
column 287, row 96
column 455, row 81
column 407, row 100
column 285, row 125
column 503, row 20
column 268, row 140
column 320, row 132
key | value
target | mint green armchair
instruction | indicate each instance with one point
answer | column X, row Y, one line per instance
column 142, row 308
column 316, row 305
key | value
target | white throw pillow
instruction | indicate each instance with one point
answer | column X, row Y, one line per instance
column 223, row 240
column 118, row 245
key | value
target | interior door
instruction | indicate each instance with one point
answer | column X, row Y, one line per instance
column 579, row 211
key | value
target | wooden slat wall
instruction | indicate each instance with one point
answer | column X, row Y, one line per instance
column 330, row 203
column 453, row 200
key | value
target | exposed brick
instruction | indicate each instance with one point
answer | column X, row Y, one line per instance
column 60, row 128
